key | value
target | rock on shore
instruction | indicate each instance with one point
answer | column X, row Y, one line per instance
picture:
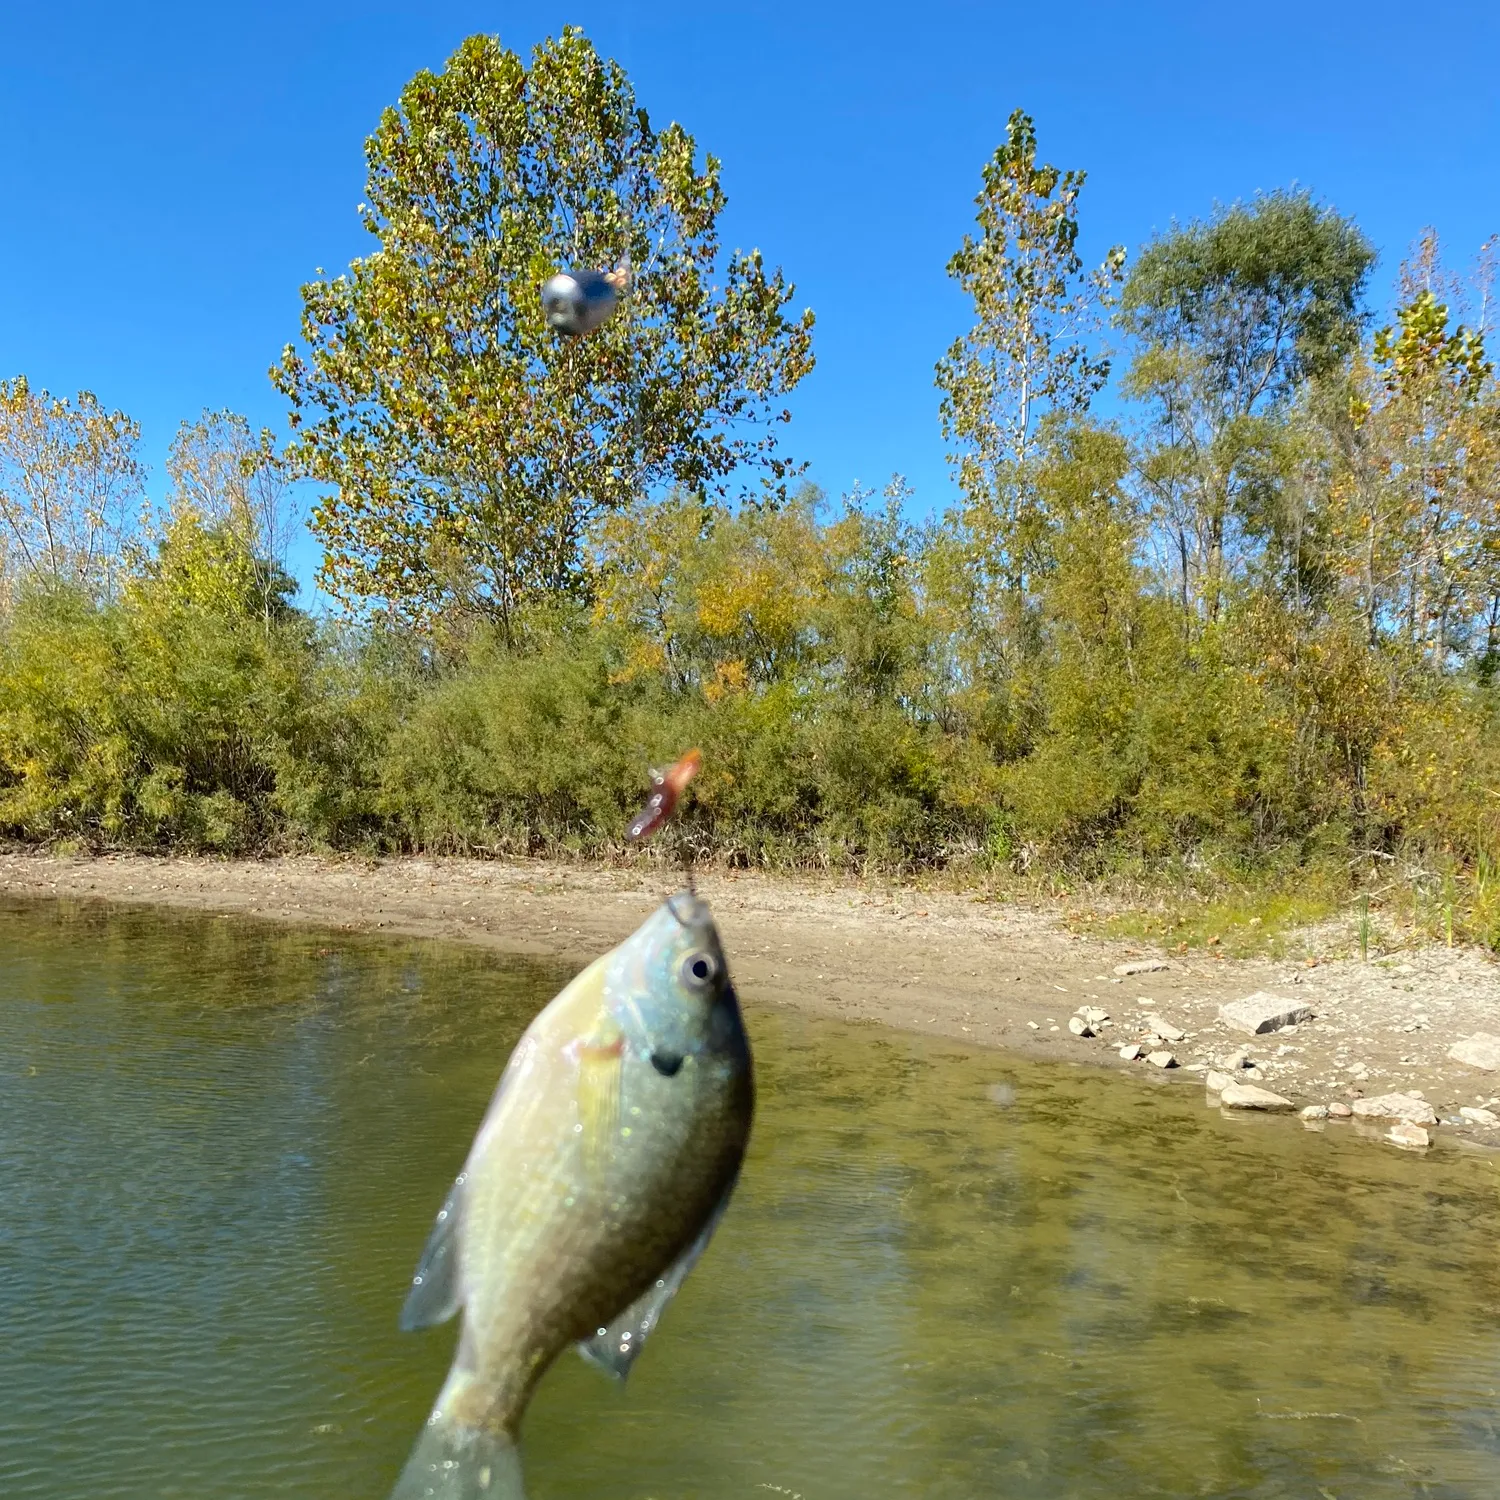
column 1263, row 1012
column 1406, row 1107
column 1482, row 1050
column 1248, row 1096
column 1411, row 1137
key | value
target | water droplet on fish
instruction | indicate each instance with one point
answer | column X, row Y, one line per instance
column 442, row 1214
column 416, row 1281
column 602, row 1332
column 578, row 1130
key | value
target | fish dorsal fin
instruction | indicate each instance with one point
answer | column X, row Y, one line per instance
column 436, row 1292
column 614, row 1349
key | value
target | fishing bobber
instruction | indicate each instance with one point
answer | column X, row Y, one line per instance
column 576, row 302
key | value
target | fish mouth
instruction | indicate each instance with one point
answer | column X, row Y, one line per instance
column 690, row 911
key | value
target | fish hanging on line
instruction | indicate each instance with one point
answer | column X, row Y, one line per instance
column 599, row 1173
column 577, row 302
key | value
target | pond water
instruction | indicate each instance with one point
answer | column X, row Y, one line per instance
column 945, row 1274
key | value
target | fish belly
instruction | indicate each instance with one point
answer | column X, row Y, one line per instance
column 563, row 1232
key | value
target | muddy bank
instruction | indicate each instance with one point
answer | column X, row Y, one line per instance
column 1000, row 975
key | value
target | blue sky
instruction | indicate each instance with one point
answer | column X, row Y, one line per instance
column 170, row 174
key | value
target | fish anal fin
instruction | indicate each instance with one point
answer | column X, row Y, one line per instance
column 614, row 1349
column 436, row 1290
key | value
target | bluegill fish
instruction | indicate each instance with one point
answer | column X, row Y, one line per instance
column 598, row 1174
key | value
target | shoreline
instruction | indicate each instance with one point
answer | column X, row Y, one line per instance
column 992, row 974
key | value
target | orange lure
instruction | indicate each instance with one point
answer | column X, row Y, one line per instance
column 666, row 787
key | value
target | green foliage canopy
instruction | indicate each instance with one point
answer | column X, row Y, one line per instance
column 1233, row 316
column 1265, row 294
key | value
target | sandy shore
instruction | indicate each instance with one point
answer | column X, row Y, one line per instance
column 997, row 975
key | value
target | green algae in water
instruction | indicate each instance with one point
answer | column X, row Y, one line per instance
column 945, row 1273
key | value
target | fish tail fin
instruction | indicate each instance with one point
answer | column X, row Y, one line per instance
column 455, row 1462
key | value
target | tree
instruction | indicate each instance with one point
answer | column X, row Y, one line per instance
column 69, row 484
column 714, row 599
column 1417, row 503
column 1026, row 356
column 469, row 447
column 1233, row 315
column 232, row 482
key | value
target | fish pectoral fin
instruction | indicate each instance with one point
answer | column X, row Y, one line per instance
column 601, row 1059
column 614, row 1349
column 435, row 1293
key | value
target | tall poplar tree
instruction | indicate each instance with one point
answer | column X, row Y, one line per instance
column 1028, row 354
column 466, row 446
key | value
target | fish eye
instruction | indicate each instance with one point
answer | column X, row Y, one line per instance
column 699, row 969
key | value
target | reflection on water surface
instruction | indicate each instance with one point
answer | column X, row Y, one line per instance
column 221, row 1146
